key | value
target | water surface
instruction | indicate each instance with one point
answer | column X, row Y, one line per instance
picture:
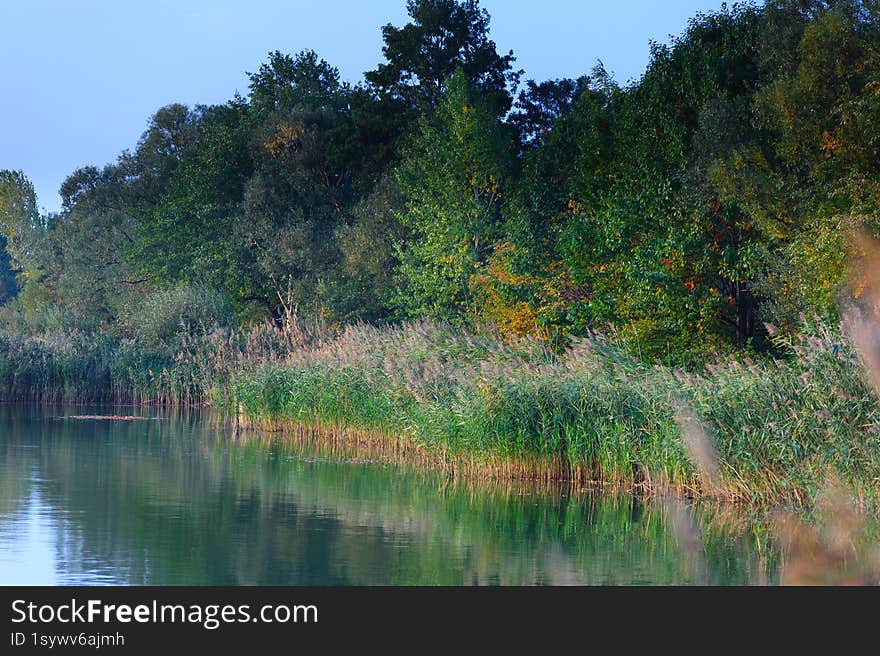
column 175, row 499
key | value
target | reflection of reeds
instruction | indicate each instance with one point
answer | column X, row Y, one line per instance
column 836, row 551
column 342, row 443
column 698, row 542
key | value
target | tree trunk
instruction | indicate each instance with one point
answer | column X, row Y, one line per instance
column 746, row 310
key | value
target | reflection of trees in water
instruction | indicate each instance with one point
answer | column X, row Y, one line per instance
column 173, row 501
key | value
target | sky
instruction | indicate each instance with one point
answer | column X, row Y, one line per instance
column 80, row 78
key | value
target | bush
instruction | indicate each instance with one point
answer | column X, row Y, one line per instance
column 165, row 317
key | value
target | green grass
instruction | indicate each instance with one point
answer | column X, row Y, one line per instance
column 781, row 429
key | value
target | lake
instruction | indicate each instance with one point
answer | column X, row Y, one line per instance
column 176, row 499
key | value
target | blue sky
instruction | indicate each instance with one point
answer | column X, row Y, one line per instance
column 79, row 78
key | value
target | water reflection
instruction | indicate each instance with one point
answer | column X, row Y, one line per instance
column 174, row 500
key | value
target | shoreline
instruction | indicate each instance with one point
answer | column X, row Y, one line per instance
column 534, row 473
column 774, row 432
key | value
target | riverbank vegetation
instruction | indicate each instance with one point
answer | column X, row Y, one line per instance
column 474, row 405
column 780, row 429
column 436, row 251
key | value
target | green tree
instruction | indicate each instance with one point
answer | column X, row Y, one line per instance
column 451, row 181
column 187, row 235
column 444, row 36
column 84, row 263
column 19, row 219
column 253, row 206
column 8, row 284
column 285, row 82
column 365, row 283
column 807, row 176
column 666, row 258
column 540, row 105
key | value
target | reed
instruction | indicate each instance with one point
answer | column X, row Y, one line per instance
column 475, row 405
column 778, row 427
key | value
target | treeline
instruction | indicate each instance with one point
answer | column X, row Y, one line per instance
column 684, row 211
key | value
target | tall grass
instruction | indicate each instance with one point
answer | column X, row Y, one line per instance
column 780, row 427
column 81, row 367
column 777, row 429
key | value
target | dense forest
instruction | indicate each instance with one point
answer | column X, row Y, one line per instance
column 687, row 213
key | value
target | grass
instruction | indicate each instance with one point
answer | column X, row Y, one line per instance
column 82, row 367
column 777, row 429
column 780, row 428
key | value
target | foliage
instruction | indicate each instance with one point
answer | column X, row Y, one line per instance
column 164, row 318
column 681, row 212
column 451, row 180
column 444, row 36
column 19, row 219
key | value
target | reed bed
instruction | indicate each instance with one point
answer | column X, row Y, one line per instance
column 83, row 368
column 476, row 406
column 344, row 443
column 779, row 428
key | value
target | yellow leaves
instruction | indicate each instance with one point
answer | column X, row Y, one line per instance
column 860, row 289
column 492, row 187
column 574, row 207
column 286, row 138
column 829, row 143
column 522, row 303
column 487, row 188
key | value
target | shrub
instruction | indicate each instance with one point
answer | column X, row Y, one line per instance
column 164, row 317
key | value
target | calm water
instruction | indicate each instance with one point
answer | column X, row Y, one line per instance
column 175, row 500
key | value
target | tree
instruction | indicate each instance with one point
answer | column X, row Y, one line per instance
column 84, row 252
column 187, row 235
column 365, row 284
column 451, row 181
column 285, row 82
column 539, row 106
column 443, row 37
column 253, row 205
column 666, row 257
column 19, row 218
column 170, row 132
column 807, row 176
column 8, row 284
column 528, row 287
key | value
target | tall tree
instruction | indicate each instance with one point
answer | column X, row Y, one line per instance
column 85, row 250
column 187, row 236
column 286, row 81
column 540, row 105
column 451, row 182
column 443, row 36
column 19, row 217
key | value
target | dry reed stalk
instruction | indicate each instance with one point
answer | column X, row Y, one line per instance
column 699, row 447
